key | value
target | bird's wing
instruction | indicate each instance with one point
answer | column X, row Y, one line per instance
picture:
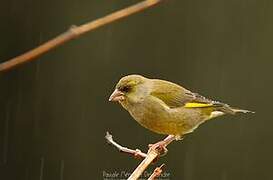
column 175, row 96
column 171, row 94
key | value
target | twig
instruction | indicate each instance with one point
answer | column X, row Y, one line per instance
column 157, row 172
column 154, row 152
column 75, row 32
column 151, row 156
column 136, row 153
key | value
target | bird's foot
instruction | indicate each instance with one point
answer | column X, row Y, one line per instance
column 160, row 147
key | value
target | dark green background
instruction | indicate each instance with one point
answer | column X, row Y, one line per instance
column 55, row 111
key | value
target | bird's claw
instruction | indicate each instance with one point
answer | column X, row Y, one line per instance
column 160, row 147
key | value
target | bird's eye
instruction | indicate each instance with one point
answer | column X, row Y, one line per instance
column 125, row 89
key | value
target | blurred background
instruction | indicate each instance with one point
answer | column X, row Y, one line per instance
column 54, row 112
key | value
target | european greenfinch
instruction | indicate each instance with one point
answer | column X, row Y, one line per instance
column 165, row 107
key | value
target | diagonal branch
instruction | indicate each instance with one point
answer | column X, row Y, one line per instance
column 157, row 172
column 151, row 156
column 75, row 32
column 155, row 151
column 136, row 153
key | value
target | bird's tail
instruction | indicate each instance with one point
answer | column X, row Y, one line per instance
column 236, row 110
column 230, row 110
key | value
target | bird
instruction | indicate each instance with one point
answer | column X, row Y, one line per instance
column 165, row 107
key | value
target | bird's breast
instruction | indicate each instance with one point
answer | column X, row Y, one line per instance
column 156, row 116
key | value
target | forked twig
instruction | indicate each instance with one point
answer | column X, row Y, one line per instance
column 157, row 172
column 153, row 153
column 136, row 153
column 74, row 32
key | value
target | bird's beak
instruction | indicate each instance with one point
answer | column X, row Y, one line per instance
column 116, row 96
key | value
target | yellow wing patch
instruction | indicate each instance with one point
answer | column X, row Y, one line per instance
column 197, row 105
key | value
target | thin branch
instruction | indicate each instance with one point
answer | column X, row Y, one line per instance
column 136, row 153
column 75, row 32
column 154, row 152
column 151, row 156
column 157, row 172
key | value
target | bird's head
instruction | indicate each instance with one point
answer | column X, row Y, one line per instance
column 130, row 88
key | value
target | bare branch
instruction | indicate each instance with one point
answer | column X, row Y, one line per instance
column 75, row 32
column 136, row 153
column 157, row 172
column 154, row 152
column 151, row 156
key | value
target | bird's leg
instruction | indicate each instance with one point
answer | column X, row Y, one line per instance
column 161, row 145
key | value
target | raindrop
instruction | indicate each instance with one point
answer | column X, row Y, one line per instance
column 42, row 168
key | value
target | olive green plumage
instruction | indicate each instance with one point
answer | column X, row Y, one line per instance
column 165, row 107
